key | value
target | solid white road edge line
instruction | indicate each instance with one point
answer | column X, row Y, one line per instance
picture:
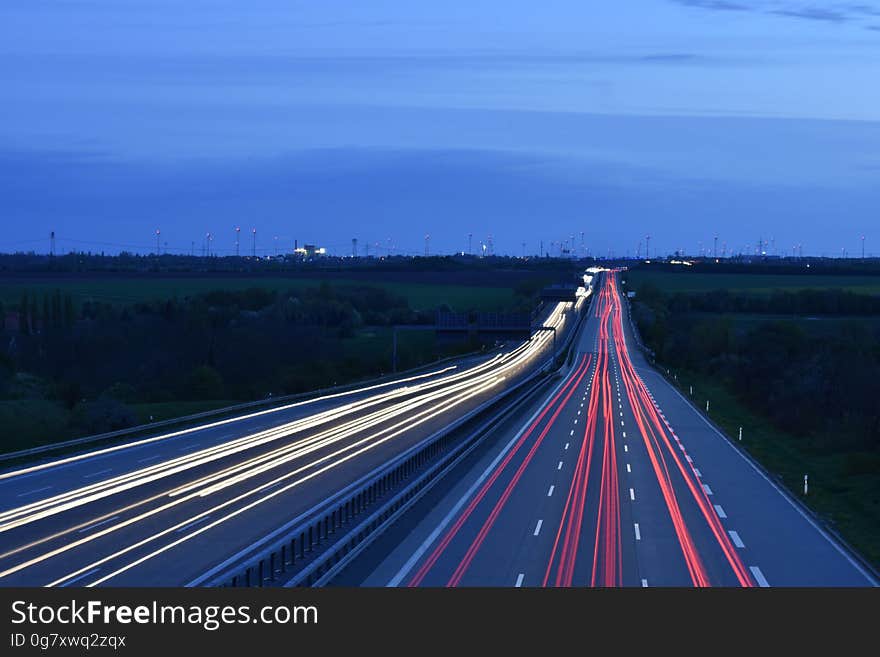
column 411, row 562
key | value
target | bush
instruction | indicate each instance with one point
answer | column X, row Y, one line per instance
column 122, row 392
column 204, row 383
column 862, row 463
column 103, row 415
column 30, row 422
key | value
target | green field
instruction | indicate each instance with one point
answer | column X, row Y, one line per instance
column 26, row 423
column 29, row 422
column 421, row 296
column 687, row 281
column 844, row 487
column 167, row 410
column 815, row 326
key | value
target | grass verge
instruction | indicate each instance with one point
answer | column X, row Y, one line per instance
column 686, row 281
column 844, row 488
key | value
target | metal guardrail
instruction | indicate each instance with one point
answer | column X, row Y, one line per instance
column 362, row 535
column 311, row 548
column 301, row 538
column 637, row 336
column 775, row 480
column 217, row 412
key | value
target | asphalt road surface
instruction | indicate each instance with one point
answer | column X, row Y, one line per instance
column 163, row 511
column 612, row 479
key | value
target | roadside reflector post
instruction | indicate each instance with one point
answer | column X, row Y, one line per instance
column 692, row 391
column 806, row 484
column 740, row 434
column 707, row 405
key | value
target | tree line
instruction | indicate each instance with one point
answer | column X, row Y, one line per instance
column 833, row 301
column 55, row 312
column 819, row 385
column 92, row 362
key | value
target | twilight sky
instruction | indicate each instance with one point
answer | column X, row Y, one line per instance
column 390, row 119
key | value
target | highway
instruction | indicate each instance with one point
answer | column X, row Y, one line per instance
column 611, row 478
column 163, row 510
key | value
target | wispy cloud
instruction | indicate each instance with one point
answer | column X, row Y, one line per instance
column 814, row 14
column 723, row 5
column 829, row 12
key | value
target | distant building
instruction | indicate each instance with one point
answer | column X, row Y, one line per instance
column 309, row 251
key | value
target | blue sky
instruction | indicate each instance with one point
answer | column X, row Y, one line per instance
column 389, row 120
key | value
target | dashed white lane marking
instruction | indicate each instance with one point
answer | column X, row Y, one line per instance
column 788, row 499
column 97, row 524
column 625, row 448
column 538, row 527
column 83, row 576
column 579, row 412
column 624, row 434
column 698, row 473
column 187, row 526
column 621, row 423
column 519, row 580
column 737, row 541
column 759, row 576
column 150, row 458
column 638, row 533
column 688, row 458
column 644, row 583
column 707, row 489
column 550, row 492
column 34, row 492
column 621, row 415
column 628, row 469
column 720, row 511
column 566, row 445
column 559, row 467
column 98, row 473
column 632, row 495
column 572, row 433
column 575, row 421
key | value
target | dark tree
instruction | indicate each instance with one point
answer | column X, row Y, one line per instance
column 44, row 320
column 23, row 313
column 35, row 317
column 69, row 312
column 56, row 310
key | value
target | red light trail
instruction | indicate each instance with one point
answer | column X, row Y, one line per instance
column 597, row 472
